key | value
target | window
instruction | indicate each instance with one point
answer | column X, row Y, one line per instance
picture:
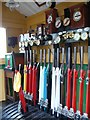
column 2, row 42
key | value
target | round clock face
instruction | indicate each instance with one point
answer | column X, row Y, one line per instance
column 77, row 36
column 86, row 29
column 79, row 30
column 58, row 23
column 77, row 16
column 49, row 20
column 84, row 35
column 66, row 21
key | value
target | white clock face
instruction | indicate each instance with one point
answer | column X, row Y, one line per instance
column 77, row 36
column 84, row 36
column 86, row 29
column 77, row 16
column 58, row 23
column 79, row 30
column 49, row 20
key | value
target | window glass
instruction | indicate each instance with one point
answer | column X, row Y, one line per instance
column 2, row 42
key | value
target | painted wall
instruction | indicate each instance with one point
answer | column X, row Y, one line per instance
column 15, row 24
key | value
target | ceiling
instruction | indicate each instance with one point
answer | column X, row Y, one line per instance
column 31, row 7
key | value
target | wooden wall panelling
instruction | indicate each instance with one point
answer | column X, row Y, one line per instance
column 85, row 44
column 13, row 32
column 81, row 43
column 12, row 16
column 15, row 24
column 63, row 5
column 37, row 48
column 35, row 19
column 2, row 85
column 2, row 61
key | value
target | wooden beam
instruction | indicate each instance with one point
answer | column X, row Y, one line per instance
column 39, row 4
